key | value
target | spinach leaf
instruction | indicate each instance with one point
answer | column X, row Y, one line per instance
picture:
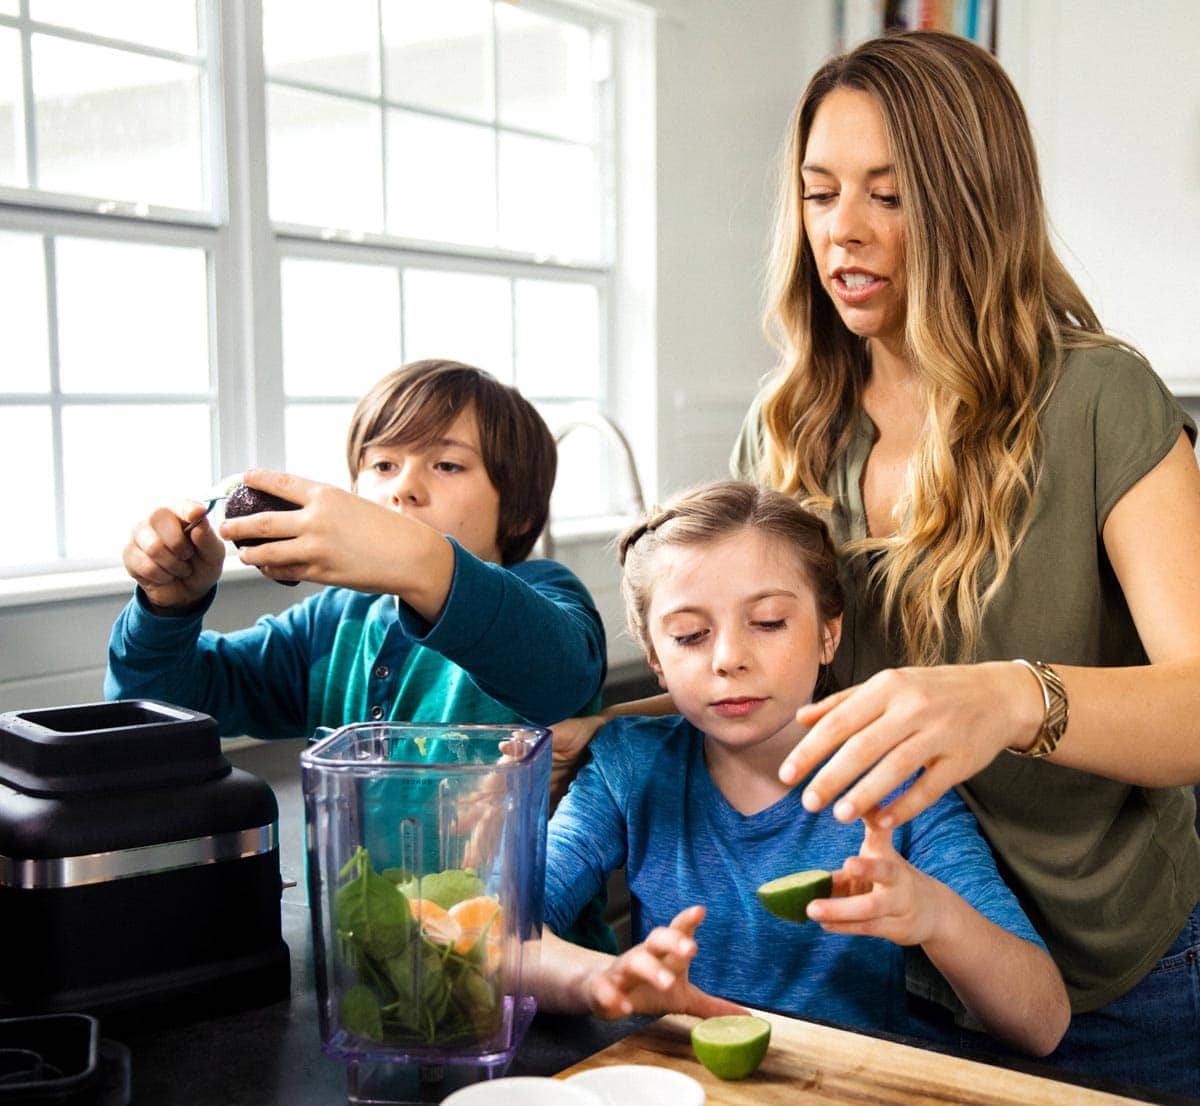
column 360, row 1013
column 369, row 911
column 444, row 888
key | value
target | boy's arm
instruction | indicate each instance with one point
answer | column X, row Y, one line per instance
column 1009, row 984
column 528, row 634
column 252, row 681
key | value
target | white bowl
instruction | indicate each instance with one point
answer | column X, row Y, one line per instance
column 640, row 1085
column 523, row 1090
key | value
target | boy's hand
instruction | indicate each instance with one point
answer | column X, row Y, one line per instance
column 341, row 538
column 652, row 978
column 877, row 894
column 172, row 568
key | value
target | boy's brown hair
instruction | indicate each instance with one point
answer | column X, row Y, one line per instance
column 417, row 402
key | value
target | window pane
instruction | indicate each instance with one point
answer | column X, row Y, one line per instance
column 24, row 349
column 27, row 481
column 461, row 316
column 548, row 198
column 169, row 24
column 441, row 180
column 316, row 441
column 341, row 326
column 558, row 339
column 112, row 123
column 132, row 317
column 12, row 117
column 439, row 56
column 545, row 74
column 121, row 462
column 325, row 162
column 316, row 42
column 10, row 7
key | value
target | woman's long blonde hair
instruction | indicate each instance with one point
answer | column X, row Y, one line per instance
column 990, row 310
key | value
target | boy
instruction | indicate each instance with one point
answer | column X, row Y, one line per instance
column 434, row 615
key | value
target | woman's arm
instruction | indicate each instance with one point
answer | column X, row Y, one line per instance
column 573, row 735
column 1139, row 725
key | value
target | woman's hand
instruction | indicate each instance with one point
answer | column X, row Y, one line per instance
column 877, row 894
column 173, row 568
column 652, row 978
column 948, row 722
column 569, row 740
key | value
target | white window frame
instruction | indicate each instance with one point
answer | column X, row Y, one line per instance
column 245, row 252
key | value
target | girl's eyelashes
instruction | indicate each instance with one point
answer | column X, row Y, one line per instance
column 688, row 639
column 885, row 199
column 771, row 624
column 818, row 197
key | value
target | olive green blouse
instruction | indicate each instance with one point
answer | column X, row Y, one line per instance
column 1106, row 871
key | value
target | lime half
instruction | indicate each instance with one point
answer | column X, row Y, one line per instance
column 731, row 1046
column 788, row 896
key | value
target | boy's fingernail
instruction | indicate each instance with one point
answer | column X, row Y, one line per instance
column 812, row 801
column 665, row 978
column 885, row 821
column 844, row 811
column 788, row 773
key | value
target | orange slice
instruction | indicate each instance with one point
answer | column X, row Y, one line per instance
column 475, row 916
column 435, row 922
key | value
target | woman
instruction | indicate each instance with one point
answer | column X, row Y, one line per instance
column 1005, row 481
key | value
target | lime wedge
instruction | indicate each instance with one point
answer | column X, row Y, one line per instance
column 788, row 896
column 731, row 1046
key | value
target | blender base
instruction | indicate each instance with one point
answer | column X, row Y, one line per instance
column 384, row 1084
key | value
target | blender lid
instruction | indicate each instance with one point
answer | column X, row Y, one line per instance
column 122, row 745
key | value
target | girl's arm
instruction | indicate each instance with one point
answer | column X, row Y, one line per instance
column 1138, row 725
column 651, row 978
column 1010, row 985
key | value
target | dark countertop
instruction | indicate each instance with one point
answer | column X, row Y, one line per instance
column 272, row 1055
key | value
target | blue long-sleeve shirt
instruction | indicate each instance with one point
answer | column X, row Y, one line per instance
column 646, row 800
column 518, row 643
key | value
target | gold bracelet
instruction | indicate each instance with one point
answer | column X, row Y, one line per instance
column 1058, row 710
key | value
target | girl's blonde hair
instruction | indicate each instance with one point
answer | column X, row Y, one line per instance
column 713, row 511
column 990, row 311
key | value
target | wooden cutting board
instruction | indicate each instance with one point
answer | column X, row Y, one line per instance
column 819, row 1064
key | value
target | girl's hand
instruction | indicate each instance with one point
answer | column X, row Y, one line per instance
column 172, row 568
column 877, row 894
column 652, row 978
column 948, row 722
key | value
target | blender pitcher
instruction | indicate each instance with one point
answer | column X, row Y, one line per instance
column 426, row 869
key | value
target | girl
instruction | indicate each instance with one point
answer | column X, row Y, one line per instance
column 733, row 593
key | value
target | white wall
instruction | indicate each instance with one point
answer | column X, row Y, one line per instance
column 1113, row 96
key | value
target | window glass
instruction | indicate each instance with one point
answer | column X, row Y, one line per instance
column 316, row 42
column 26, row 448
column 12, row 115
column 441, row 180
column 460, row 316
column 548, row 203
column 590, row 479
column 316, row 441
column 167, row 24
column 341, row 326
column 439, row 56
column 325, row 161
column 117, row 124
column 120, row 462
column 24, row 346
column 545, row 74
column 132, row 317
column 558, row 340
